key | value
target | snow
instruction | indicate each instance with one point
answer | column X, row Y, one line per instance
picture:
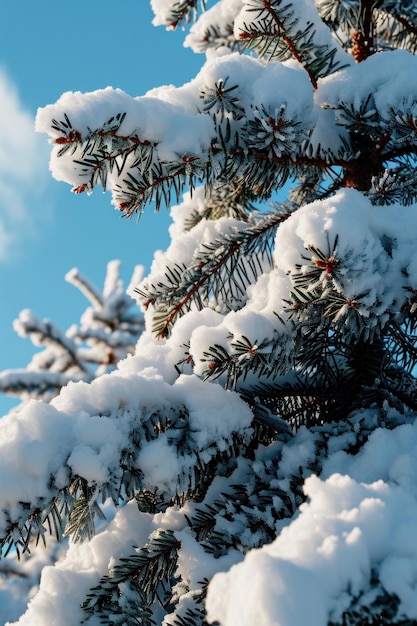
column 390, row 77
column 65, row 585
column 343, row 531
column 170, row 118
column 254, row 15
column 172, row 122
column 360, row 514
column 370, row 272
column 88, row 425
column 364, row 261
column 221, row 16
column 150, row 118
column 162, row 10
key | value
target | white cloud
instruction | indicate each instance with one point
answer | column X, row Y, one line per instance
column 23, row 170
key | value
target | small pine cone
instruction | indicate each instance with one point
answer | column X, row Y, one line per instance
column 361, row 48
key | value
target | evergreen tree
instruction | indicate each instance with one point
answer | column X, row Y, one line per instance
column 108, row 332
column 261, row 443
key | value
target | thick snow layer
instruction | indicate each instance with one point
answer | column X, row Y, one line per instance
column 254, row 13
column 85, row 429
column 390, row 77
column 219, row 17
column 360, row 516
column 151, row 118
column 374, row 248
column 170, row 118
column 346, row 529
column 373, row 271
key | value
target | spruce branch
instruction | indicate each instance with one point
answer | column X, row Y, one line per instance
column 402, row 341
column 108, row 331
column 409, row 26
column 273, row 32
column 364, row 27
column 231, row 200
column 69, row 499
column 182, row 11
column 376, row 605
column 144, row 185
column 190, row 617
column 46, row 334
column 313, row 183
column 217, row 36
column 299, row 401
column 273, row 133
column 220, row 99
column 342, row 14
column 220, row 270
column 24, row 383
column 397, row 184
column 259, row 154
column 145, row 573
column 403, row 11
column 244, row 358
column 394, row 29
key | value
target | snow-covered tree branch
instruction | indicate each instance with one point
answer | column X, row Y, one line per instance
column 108, row 332
column 261, row 441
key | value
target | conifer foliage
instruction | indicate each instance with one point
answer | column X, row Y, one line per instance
column 108, row 332
column 260, row 445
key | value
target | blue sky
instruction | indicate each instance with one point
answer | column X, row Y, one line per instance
column 46, row 49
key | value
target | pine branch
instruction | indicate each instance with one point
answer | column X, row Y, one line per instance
column 315, row 183
column 410, row 27
column 85, row 287
column 190, row 617
column 238, row 154
column 154, row 184
column 31, row 384
column 274, row 33
column 243, row 151
column 231, row 200
column 108, row 332
column 46, row 333
column 374, row 607
column 103, row 150
column 310, row 399
column 220, row 270
column 402, row 341
column 182, row 11
column 144, row 572
column 402, row 11
column 344, row 14
column 76, row 503
column 81, row 524
column 66, row 497
column 363, row 27
column 396, row 185
column 220, row 99
column 216, row 36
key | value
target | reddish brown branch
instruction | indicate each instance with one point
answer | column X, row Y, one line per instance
column 196, row 287
column 287, row 40
column 74, row 136
column 206, row 276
